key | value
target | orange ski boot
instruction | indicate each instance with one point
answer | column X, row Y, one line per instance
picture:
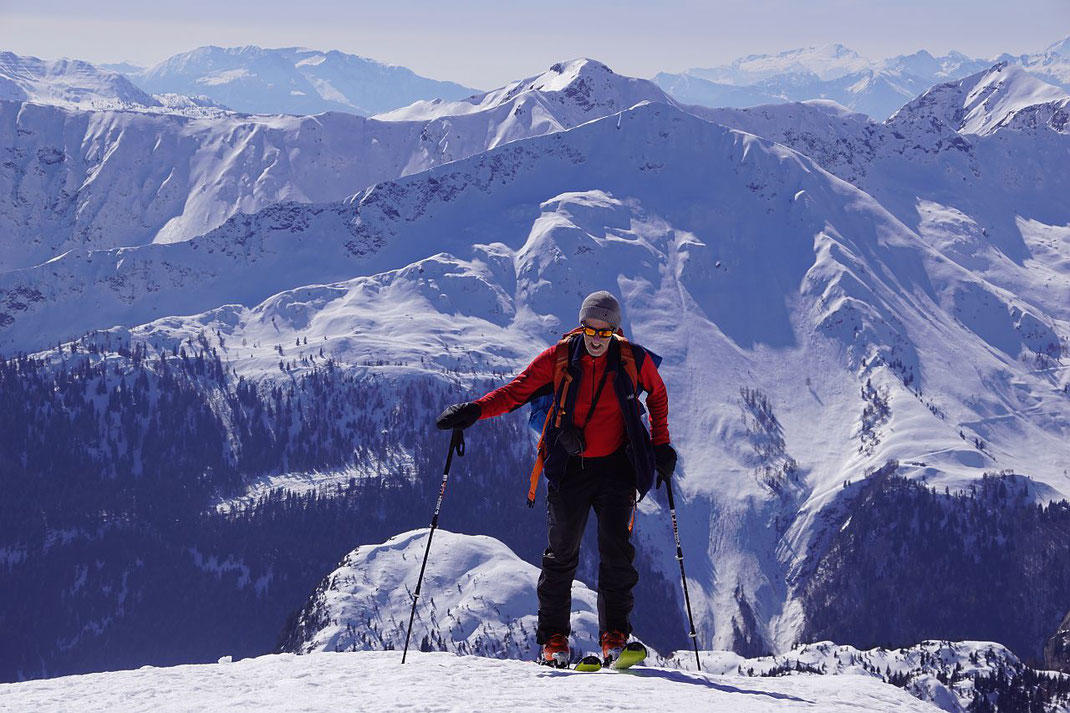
column 555, row 651
column 613, row 643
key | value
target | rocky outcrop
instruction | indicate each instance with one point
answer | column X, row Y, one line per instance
column 1057, row 650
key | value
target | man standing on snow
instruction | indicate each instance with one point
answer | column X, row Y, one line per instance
column 596, row 453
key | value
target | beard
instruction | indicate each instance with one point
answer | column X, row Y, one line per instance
column 593, row 349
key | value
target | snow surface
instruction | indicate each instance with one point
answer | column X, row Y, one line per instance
column 430, row 682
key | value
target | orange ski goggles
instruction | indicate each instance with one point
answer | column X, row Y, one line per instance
column 592, row 332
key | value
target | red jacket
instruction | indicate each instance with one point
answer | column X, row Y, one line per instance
column 603, row 430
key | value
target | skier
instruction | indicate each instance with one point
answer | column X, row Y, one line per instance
column 596, row 453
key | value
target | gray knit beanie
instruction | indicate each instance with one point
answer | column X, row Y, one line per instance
column 601, row 305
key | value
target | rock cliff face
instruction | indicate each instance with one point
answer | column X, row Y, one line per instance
column 1057, row 650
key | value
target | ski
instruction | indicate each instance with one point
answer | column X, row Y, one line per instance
column 632, row 654
column 588, row 664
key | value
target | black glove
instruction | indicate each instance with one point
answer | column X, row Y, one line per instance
column 459, row 416
column 664, row 462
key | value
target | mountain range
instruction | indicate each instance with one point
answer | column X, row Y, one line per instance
column 83, row 183
column 837, row 73
column 293, row 80
column 855, row 316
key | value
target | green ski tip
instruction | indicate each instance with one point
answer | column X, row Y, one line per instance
column 633, row 653
column 589, row 663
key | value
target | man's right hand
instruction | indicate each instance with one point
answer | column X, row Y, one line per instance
column 459, row 416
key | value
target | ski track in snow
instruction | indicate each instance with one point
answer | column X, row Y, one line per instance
column 437, row 682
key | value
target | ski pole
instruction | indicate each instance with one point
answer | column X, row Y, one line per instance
column 456, row 445
column 683, row 577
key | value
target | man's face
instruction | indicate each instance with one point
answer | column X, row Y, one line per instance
column 596, row 345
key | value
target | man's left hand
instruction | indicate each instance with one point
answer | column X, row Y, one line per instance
column 664, row 462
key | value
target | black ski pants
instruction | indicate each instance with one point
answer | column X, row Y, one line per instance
column 607, row 485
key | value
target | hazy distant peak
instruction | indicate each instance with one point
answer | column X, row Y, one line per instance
column 67, row 82
column 1062, row 47
column 293, row 80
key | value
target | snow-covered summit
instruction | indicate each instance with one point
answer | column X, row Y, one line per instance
column 478, row 597
column 589, row 88
column 69, row 83
column 292, row 80
column 980, row 103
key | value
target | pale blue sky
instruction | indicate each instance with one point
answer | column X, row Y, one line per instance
column 484, row 44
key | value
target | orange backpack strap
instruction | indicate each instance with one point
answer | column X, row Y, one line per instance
column 562, row 380
column 539, row 460
column 627, row 360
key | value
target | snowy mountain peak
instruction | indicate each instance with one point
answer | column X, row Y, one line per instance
column 563, row 74
column 572, row 92
column 68, row 83
column 981, row 103
column 478, row 598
